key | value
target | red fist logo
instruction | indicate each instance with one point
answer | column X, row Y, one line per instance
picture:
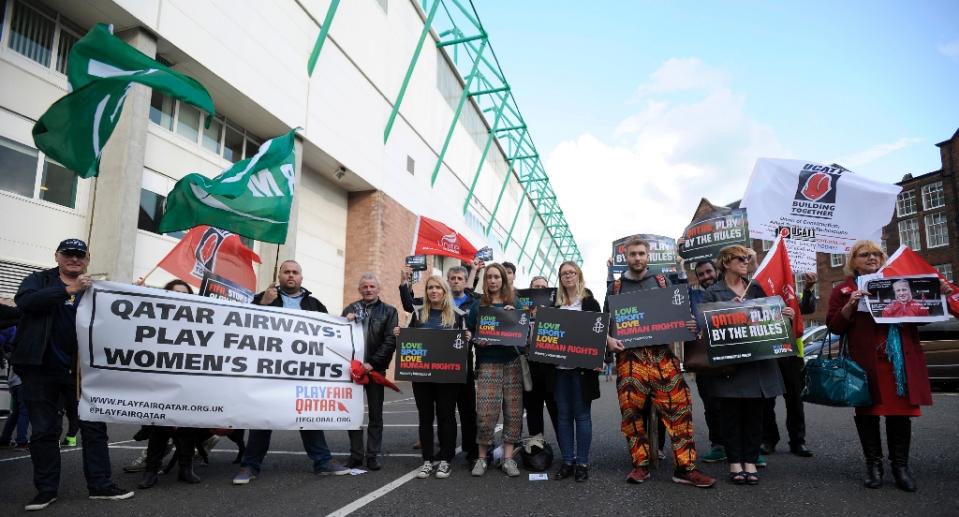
column 817, row 186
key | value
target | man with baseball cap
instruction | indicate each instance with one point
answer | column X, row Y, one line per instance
column 45, row 358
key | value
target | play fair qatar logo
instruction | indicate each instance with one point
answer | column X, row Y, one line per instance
column 322, row 399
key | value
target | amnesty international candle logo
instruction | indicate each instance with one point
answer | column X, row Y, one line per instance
column 523, row 320
column 458, row 342
column 598, row 327
column 678, row 298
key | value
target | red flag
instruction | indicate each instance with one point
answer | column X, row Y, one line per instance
column 775, row 277
column 360, row 376
column 435, row 238
column 905, row 261
column 205, row 248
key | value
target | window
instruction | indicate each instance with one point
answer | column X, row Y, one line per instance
column 906, row 203
column 933, row 196
column 945, row 270
column 767, row 245
column 42, row 35
column 20, row 165
column 837, row 260
column 937, row 234
column 882, row 246
column 151, row 210
column 909, row 233
column 222, row 137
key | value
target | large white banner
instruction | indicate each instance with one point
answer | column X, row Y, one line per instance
column 157, row 357
column 839, row 206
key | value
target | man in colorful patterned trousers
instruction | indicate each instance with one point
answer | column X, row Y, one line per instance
column 652, row 375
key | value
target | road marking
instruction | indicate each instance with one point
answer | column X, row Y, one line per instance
column 397, row 401
column 288, row 453
column 62, row 450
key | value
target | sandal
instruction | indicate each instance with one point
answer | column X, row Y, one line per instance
column 738, row 478
column 752, row 478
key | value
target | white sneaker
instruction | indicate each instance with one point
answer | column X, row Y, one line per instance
column 426, row 470
column 510, row 467
column 479, row 468
column 444, row 470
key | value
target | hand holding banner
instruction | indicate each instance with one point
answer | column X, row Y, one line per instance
column 431, row 355
column 574, row 339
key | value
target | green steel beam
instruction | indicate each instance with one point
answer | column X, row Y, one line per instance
column 457, row 41
column 511, row 128
column 519, row 208
column 499, row 198
column 489, row 143
column 456, row 115
column 549, row 251
column 526, row 157
column 536, row 180
column 490, row 90
column 409, row 71
column 324, row 30
column 529, row 232
column 532, row 258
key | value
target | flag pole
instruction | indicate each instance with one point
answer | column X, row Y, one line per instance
column 144, row 277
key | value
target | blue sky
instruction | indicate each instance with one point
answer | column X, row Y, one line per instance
column 678, row 99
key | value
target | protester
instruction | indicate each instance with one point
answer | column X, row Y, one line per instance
column 288, row 293
column 576, row 388
column 652, row 372
column 743, row 388
column 378, row 320
column 45, row 358
column 510, row 272
column 544, row 378
column 791, row 369
column 433, row 398
column 18, row 420
column 499, row 377
column 881, row 350
column 705, row 272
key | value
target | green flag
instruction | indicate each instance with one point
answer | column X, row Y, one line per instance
column 253, row 198
column 101, row 70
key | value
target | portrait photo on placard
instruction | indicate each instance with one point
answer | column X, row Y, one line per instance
column 905, row 299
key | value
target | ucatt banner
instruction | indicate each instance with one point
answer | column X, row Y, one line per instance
column 827, row 199
column 164, row 358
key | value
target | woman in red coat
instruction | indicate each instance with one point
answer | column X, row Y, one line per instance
column 868, row 347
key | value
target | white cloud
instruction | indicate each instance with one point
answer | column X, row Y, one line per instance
column 650, row 175
column 871, row 154
column 951, row 49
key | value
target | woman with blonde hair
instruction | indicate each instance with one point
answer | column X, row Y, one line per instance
column 576, row 388
column 895, row 365
column 435, row 398
column 742, row 388
column 499, row 377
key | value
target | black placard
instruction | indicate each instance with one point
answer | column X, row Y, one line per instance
column 431, row 355
column 703, row 239
column 574, row 339
column 501, row 327
column 662, row 253
column 215, row 286
column 527, row 298
column 416, row 262
column 748, row 331
column 651, row 316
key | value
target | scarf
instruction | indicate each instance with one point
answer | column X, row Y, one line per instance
column 894, row 354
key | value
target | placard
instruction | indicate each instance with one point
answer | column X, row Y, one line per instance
column 651, row 316
column 215, row 286
column 801, row 247
column 662, row 254
column 431, row 355
column 574, row 339
column 154, row 357
column 528, row 298
column 501, row 327
column 747, row 331
column 703, row 239
column 416, row 262
column 485, row 254
column 904, row 299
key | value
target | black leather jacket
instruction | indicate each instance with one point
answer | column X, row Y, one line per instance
column 37, row 297
column 379, row 320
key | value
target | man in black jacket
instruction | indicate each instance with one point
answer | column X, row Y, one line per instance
column 378, row 320
column 45, row 358
column 288, row 293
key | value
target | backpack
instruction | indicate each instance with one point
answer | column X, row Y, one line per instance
column 536, row 454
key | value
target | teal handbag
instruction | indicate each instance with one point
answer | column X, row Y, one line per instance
column 836, row 382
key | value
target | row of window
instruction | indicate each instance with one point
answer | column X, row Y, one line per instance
column 933, row 196
column 29, row 173
column 151, row 210
column 38, row 33
column 937, row 231
column 223, row 137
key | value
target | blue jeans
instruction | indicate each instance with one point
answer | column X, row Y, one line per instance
column 572, row 407
column 44, row 393
column 18, row 418
column 258, row 443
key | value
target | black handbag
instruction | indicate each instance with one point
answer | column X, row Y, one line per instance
column 836, row 382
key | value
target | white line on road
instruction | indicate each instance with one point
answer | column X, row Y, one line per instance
column 288, row 453
column 397, row 401
column 71, row 449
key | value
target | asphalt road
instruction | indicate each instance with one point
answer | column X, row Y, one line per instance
column 827, row 484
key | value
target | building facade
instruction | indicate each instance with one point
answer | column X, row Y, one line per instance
column 358, row 193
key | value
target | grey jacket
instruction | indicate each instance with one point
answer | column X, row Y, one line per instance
column 759, row 379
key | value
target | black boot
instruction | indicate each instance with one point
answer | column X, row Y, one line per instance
column 898, row 435
column 150, row 478
column 185, row 445
column 871, row 440
column 186, row 473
